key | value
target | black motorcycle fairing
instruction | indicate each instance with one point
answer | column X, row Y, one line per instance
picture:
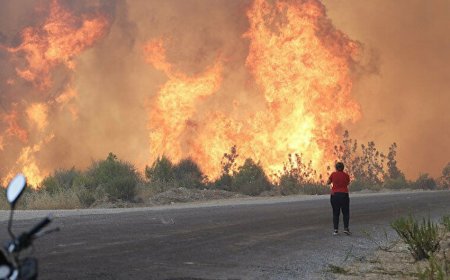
column 6, row 268
column 28, row 269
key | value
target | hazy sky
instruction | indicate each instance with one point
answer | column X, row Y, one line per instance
column 407, row 101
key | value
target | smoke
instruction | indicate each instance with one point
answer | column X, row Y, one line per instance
column 98, row 98
column 406, row 101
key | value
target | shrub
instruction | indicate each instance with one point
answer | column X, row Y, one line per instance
column 61, row 180
column 422, row 238
column 85, row 196
column 445, row 178
column 288, row 185
column 360, row 184
column 224, row 182
column 118, row 179
column 188, row 174
column 250, row 179
column 160, row 171
column 356, row 185
column 424, row 182
column 229, row 170
column 123, row 188
column 396, row 184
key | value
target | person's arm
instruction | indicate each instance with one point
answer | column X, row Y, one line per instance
column 329, row 180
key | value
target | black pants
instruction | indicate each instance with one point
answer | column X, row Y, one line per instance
column 340, row 201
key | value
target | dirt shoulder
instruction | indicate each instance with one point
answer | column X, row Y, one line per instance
column 393, row 262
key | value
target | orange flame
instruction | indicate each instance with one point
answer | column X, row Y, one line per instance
column 57, row 41
column 37, row 114
column 14, row 129
column 302, row 67
column 26, row 163
column 172, row 109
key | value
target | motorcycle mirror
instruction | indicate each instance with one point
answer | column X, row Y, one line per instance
column 15, row 189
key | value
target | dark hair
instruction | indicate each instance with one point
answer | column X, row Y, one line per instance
column 339, row 166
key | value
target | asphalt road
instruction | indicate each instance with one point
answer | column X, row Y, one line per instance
column 267, row 240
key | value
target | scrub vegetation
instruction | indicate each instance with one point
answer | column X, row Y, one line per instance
column 116, row 183
column 421, row 252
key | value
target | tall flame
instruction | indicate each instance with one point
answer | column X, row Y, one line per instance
column 57, row 41
column 301, row 65
column 171, row 111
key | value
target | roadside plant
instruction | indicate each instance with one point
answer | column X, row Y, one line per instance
column 188, row 174
column 446, row 223
column 251, row 179
column 160, row 171
column 118, row 179
column 229, row 170
column 425, row 182
column 436, row 269
column 422, row 237
column 337, row 269
column 61, row 180
column 445, row 179
column 396, row 183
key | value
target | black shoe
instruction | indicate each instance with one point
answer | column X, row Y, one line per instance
column 347, row 231
column 335, row 232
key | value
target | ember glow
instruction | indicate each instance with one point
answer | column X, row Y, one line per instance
column 294, row 95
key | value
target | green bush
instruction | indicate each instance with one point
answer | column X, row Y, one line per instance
column 224, row 182
column 422, row 238
column 424, row 182
column 61, row 180
column 356, row 185
column 118, row 179
column 396, row 184
column 123, row 188
column 359, row 184
column 188, row 174
column 160, row 171
column 85, row 196
column 250, row 179
column 288, row 185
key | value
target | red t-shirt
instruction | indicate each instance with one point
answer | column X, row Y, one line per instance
column 340, row 181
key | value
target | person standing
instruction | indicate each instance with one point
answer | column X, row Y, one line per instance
column 340, row 200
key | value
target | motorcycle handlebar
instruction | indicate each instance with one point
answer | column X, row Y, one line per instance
column 39, row 226
column 26, row 238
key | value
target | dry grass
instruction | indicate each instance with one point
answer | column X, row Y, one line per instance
column 43, row 200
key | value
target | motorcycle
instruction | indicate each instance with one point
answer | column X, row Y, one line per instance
column 12, row 266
